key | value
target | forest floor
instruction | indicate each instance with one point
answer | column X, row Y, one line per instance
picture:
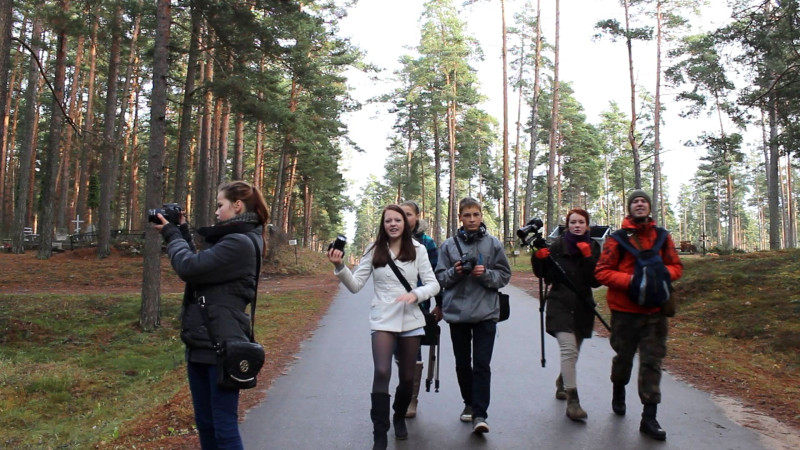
column 758, row 391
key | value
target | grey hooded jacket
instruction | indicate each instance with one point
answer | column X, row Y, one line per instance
column 469, row 299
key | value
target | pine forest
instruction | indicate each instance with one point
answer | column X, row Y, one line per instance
column 111, row 108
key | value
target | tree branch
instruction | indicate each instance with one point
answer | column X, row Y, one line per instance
column 50, row 86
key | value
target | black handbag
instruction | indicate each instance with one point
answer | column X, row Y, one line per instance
column 238, row 361
column 505, row 306
column 432, row 329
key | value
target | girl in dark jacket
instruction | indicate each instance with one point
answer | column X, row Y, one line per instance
column 568, row 265
column 224, row 277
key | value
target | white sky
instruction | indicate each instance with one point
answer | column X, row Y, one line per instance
column 598, row 71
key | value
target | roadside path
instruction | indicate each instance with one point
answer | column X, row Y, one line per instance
column 323, row 400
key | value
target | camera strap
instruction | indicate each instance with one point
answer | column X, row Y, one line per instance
column 455, row 239
column 399, row 275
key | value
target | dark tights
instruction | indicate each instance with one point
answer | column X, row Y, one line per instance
column 383, row 347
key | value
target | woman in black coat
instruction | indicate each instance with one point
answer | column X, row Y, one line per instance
column 568, row 265
column 223, row 276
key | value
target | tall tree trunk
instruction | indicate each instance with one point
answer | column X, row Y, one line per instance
column 6, row 24
column 791, row 240
column 551, row 171
column 308, row 200
column 52, row 153
column 87, row 143
column 224, row 129
column 136, row 220
column 657, row 211
column 238, row 147
column 125, row 121
column 149, row 318
column 537, row 63
column 637, row 165
column 258, row 170
column 26, row 150
column 203, row 173
column 185, row 136
column 437, row 179
column 8, row 136
column 64, row 203
column 506, row 233
column 107, row 179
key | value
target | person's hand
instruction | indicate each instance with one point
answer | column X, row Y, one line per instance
column 478, row 270
column 335, row 257
column 160, row 226
column 542, row 253
column 457, row 267
column 585, row 249
column 408, row 297
column 437, row 313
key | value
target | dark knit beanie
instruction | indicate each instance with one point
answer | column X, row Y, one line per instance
column 638, row 193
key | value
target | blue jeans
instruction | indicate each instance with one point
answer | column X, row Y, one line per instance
column 473, row 344
column 216, row 411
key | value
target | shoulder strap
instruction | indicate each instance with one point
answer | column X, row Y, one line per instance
column 399, row 275
column 621, row 236
column 255, row 296
column 661, row 237
column 455, row 239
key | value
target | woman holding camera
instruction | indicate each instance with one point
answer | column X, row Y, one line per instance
column 223, row 277
column 568, row 265
column 396, row 320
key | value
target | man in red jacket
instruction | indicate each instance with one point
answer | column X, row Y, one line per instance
column 633, row 326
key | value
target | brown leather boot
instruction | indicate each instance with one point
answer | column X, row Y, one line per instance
column 412, row 407
column 574, row 410
column 561, row 394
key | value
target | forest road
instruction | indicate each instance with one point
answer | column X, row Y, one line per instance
column 323, row 400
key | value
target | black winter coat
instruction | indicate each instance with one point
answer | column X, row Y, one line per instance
column 224, row 275
column 568, row 311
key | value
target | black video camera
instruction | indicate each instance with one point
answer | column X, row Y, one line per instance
column 170, row 211
column 530, row 234
column 468, row 263
column 338, row 244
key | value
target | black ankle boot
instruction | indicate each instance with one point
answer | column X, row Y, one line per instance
column 380, row 420
column 618, row 400
column 649, row 425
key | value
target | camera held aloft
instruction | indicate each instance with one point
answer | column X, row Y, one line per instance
column 170, row 211
column 338, row 244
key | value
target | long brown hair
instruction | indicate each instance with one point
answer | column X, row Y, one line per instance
column 252, row 199
column 380, row 257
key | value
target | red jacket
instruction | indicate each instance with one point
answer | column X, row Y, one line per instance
column 616, row 272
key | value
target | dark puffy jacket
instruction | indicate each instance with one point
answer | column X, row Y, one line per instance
column 224, row 276
column 566, row 310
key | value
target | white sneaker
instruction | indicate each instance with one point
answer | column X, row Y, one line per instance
column 466, row 414
column 480, row 426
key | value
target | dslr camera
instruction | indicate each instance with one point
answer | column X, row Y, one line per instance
column 468, row 263
column 170, row 211
column 530, row 234
column 338, row 244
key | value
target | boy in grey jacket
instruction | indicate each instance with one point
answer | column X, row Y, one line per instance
column 472, row 267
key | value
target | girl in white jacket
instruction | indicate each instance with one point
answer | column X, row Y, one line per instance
column 395, row 317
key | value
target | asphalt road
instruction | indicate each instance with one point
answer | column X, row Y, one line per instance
column 323, row 401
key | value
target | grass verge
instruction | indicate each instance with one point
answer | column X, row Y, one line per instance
column 737, row 330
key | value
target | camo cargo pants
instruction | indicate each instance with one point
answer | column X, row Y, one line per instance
column 647, row 334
